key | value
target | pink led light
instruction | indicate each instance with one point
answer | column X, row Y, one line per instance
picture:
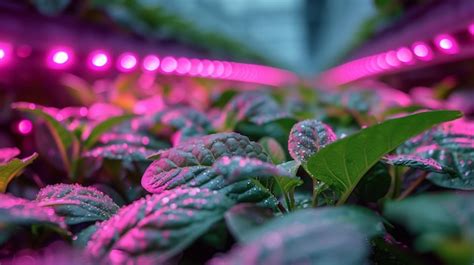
column 391, row 59
column 59, row 58
column 127, row 62
column 196, row 67
column 151, row 63
column 422, row 51
column 471, row 29
column 404, row 55
column 207, row 68
column 5, row 52
column 99, row 60
column 218, row 69
column 227, row 70
column 447, row 44
column 24, row 51
column 25, row 127
column 169, row 64
column 184, row 66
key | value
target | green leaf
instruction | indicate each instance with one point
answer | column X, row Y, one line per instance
column 104, row 127
column 156, row 228
column 190, row 164
column 322, row 236
column 12, row 169
column 273, row 149
column 374, row 185
column 18, row 211
column 442, row 223
column 343, row 163
column 77, row 204
column 243, row 219
column 64, row 139
column 307, row 138
column 82, row 238
column 414, row 161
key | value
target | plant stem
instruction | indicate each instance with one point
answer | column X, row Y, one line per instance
column 281, row 208
column 413, row 186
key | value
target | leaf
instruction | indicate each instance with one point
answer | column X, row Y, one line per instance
column 308, row 237
column 7, row 154
column 12, row 169
column 156, row 228
column 307, row 138
column 243, row 218
column 18, row 211
column 414, row 161
column 82, row 238
column 103, row 127
column 273, row 149
column 64, row 139
column 452, row 146
column 190, row 164
column 374, row 185
column 77, row 204
column 439, row 222
column 343, row 163
column 124, row 152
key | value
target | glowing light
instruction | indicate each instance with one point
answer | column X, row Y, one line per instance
column 391, row 59
column 404, row 55
column 169, row 64
column 447, row 44
column 207, row 68
column 184, row 66
column 5, row 52
column 471, row 29
column 151, row 63
column 218, row 69
column 25, row 127
column 196, row 67
column 127, row 62
column 99, row 60
column 422, row 51
column 24, row 51
column 59, row 58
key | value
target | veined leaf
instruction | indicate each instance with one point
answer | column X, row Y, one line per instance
column 342, row 164
column 190, row 164
column 414, row 161
column 443, row 224
column 13, row 168
column 64, row 139
column 77, row 204
column 307, row 138
column 309, row 237
column 104, row 127
column 156, row 228
column 122, row 151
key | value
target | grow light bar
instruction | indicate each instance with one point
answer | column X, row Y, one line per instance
column 442, row 48
column 62, row 58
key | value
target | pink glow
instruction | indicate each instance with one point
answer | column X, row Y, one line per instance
column 391, row 59
column 422, row 51
column 184, row 66
column 151, row 63
column 447, row 44
column 5, row 52
column 207, row 68
column 404, row 55
column 127, row 62
column 196, row 67
column 218, row 69
column 169, row 64
column 471, row 29
column 24, row 51
column 381, row 61
column 99, row 60
column 227, row 69
column 59, row 58
column 25, row 127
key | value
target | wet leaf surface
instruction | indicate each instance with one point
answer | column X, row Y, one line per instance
column 77, row 204
column 155, row 228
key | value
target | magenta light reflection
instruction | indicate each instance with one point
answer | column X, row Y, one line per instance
column 151, row 63
column 447, row 44
column 184, row 66
column 196, row 67
column 471, row 29
column 169, row 64
column 422, row 51
column 5, row 52
column 405, row 55
column 127, row 62
column 25, row 127
column 99, row 60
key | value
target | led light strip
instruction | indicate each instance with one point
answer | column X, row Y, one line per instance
column 420, row 52
column 61, row 58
